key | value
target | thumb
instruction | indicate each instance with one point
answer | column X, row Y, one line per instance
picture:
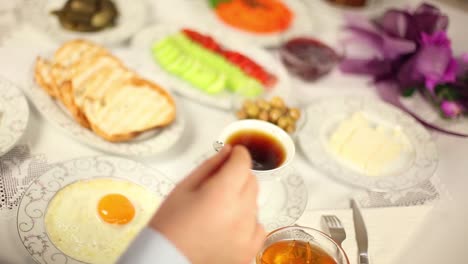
column 206, row 169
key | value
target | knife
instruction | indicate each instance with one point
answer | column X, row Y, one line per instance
column 361, row 234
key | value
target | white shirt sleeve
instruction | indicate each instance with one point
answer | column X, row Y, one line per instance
column 151, row 246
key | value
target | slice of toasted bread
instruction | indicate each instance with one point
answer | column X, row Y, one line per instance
column 94, row 76
column 78, row 50
column 129, row 109
column 43, row 77
column 66, row 96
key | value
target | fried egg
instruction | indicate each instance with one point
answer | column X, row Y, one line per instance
column 94, row 221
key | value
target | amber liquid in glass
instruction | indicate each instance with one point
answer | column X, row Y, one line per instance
column 294, row 252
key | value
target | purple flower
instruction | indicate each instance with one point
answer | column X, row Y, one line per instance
column 396, row 36
column 411, row 49
column 426, row 19
column 368, row 33
column 451, row 109
column 432, row 64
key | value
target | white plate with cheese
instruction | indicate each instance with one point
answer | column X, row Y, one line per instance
column 367, row 143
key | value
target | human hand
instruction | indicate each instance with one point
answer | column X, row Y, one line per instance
column 211, row 216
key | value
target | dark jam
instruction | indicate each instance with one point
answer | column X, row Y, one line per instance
column 351, row 3
column 308, row 58
column 267, row 152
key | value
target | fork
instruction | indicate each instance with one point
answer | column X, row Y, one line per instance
column 333, row 225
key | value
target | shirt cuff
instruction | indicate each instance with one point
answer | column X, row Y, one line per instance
column 150, row 246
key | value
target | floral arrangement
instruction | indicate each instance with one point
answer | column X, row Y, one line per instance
column 413, row 50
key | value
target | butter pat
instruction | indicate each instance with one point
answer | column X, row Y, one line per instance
column 367, row 147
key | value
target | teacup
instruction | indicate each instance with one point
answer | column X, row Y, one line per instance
column 253, row 128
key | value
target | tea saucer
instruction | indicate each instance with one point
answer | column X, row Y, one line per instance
column 286, row 201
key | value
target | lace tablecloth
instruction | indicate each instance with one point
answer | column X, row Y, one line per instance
column 19, row 45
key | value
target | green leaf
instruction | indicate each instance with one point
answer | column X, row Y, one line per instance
column 408, row 92
column 446, row 92
column 215, row 3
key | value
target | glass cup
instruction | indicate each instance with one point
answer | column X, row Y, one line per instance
column 305, row 234
column 266, row 178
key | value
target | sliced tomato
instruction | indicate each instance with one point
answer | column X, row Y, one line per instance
column 206, row 41
column 247, row 65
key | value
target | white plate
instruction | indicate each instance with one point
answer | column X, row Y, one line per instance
column 426, row 111
column 324, row 116
column 33, row 205
column 144, row 40
column 287, row 200
column 147, row 144
column 132, row 17
column 14, row 115
column 194, row 12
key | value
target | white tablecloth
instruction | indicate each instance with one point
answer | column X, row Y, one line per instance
column 204, row 124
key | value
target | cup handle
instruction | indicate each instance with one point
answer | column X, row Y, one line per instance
column 218, row 145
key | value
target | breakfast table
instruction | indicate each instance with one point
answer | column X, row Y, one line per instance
column 396, row 222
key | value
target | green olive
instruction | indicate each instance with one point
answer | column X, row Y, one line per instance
column 295, row 113
column 86, row 7
column 291, row 128
column 277, row 102
column 263, row 115
column 252, row 111
column 274, row 115
column 283, row 122
column 101, row 19
column 263, row 104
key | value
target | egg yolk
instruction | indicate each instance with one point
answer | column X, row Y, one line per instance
column 116, row 209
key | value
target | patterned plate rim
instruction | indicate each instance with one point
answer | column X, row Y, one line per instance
column 296, row 201
column 33, row 205
column 424, row 164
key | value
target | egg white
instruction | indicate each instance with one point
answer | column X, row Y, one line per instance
column 74, row 226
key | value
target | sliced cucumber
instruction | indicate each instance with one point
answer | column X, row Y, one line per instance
column 218, row 85
column 183, row 65
column 249, row 88
column 204, row 69
column 167, row 56
column 202, row 77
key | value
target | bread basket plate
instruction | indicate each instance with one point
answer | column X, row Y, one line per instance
column 413, row 167
column 14, row 115
column 145, row 39
column 194, row 12
column 147, row 144
column 132, row 16
column 33, row 206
